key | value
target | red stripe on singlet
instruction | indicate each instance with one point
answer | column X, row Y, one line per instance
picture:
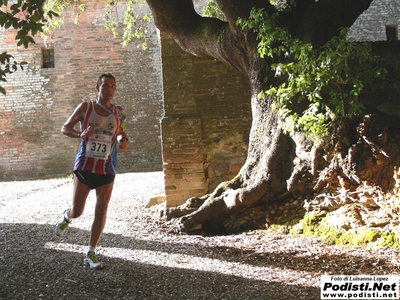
column 100, row 166
column 89, row 161
column 88, row 113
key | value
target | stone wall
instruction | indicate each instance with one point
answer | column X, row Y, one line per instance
column 206, row 124
column 371, row 26
column 39, row 100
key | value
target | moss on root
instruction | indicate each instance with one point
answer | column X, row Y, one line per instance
column 317, row 226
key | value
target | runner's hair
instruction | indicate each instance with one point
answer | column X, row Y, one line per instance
column 105, row 75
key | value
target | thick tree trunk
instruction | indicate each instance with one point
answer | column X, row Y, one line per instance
column 275, row 160
column 269, row 150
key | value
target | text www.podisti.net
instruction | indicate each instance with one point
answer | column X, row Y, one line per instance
column 360, row 287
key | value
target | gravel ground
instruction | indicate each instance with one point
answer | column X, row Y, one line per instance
column 143, row 261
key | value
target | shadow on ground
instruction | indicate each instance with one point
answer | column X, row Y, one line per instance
column 30, row 270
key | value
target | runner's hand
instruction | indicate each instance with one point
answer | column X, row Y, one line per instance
column 88, row 132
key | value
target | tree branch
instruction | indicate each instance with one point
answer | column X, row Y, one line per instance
column 200, row 36
column 234, row 9
column 194, row 34
column 323, row 20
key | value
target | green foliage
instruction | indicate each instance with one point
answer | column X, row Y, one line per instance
column 28, row 17
column 212, row 10
column 134, row 26
column 57, row 6
column 25, row 16
column 7, row 66
column 326, row 81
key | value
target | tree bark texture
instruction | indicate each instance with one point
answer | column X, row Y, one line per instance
column 272, row 168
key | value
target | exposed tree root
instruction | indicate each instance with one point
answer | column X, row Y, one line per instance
column 334, row 169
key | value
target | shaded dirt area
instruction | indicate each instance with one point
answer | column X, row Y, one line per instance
column 144, row 261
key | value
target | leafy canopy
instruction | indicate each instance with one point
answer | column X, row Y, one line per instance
column 328, row 81
column 134, row 25
column 28, row 18
column 31, row 17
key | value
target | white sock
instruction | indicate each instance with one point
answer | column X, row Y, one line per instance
column 92, row 249
column 66, row 217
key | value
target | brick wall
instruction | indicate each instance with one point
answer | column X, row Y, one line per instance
column 39, row 100
column 206, row 124
column 205, row 104
column 206, row 109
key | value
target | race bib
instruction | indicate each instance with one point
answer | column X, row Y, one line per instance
column 99, row 146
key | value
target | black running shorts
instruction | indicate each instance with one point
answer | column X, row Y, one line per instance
column 93, row 180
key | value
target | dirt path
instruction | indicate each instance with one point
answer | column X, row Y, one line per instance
column 143, row 261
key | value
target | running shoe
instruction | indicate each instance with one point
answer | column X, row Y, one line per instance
column 61, row 226
column 91, row 261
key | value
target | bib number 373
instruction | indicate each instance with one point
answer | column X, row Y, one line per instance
column 98, row 148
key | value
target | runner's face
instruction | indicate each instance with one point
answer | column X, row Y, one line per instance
column 106, row 89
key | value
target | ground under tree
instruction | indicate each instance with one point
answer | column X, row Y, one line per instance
column 357, row 166
column 357, row 163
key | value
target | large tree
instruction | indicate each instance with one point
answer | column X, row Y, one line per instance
column 307, row 82
column 279, row 161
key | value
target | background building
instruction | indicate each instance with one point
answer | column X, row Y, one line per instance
column 62, row 72
column 380, row 22
column 202, row 105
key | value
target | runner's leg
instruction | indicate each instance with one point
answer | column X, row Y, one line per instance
column 80, row 194
column 103, row 195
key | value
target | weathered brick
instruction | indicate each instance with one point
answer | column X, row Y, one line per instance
column 39, row 100
column 205, row 116
column 207, row 121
